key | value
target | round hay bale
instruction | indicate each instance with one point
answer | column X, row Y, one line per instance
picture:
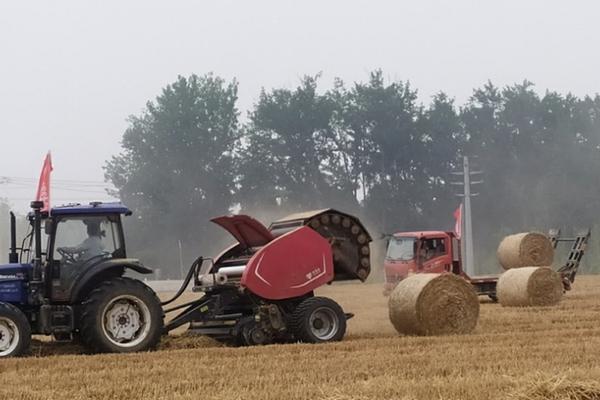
column 433, row 304
column 529, row 286
column 525, row 249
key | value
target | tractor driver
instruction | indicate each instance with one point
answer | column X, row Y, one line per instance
column 89, row 248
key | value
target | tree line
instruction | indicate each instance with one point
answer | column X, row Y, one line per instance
column 368, row 148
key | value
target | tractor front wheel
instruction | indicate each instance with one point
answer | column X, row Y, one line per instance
column 122, row 315
column 318, row 320
column 15, row 332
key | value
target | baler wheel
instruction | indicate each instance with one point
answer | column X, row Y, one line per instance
column 120, row 316
column 15, row 331
column 318, row 320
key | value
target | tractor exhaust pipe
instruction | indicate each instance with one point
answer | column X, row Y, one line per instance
column 37, row 234
column 13, row 257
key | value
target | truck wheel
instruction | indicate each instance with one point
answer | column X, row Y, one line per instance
column 122, row 315
column 318, row 320
column 15, row 331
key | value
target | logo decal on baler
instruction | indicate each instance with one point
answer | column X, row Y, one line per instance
column 314, row 274
column 256, row 270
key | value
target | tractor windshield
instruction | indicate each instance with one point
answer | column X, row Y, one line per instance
column 79, row 239
column 81, row 242
column 401, row 248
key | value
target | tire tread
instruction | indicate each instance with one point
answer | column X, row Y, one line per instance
column 13, row 312
column 299, row 319
column 90, row 334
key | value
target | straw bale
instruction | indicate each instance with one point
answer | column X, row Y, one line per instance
column 529, row 286
column 433, row 304
column 525, row 249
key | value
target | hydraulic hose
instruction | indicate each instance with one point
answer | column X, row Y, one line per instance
column 186, row 281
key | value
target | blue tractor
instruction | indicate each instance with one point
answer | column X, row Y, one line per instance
column 68, row 280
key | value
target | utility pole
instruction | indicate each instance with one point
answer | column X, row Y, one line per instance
column 468, row 222
column 467, row 240
column 180, row 259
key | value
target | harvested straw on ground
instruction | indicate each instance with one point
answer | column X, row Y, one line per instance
column 433, row 304
column 556, row 388
column 525, row 249
column 529, row 286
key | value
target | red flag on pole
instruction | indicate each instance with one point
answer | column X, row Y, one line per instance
column 458, row 221
column 43, row 191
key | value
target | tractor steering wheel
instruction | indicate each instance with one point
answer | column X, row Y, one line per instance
column 105, row 254
column 68, row 257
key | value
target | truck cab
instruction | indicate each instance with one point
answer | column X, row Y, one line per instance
column 420, row 252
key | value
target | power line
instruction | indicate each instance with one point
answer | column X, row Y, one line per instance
column 59, row 199
column 65, row 180
column 33, row 181
column 22, row 183
column 66, row 189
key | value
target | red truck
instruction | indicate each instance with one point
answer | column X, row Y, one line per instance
column 439, row 251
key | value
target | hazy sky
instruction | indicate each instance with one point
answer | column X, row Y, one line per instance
column 71, row 72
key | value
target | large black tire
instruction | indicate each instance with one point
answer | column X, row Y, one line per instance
column 318, row 320
column 15, row 331
column 121, row 315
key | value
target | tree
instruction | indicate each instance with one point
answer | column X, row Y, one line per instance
column 539, row 155
column 176, row 167
column 369, row 148
column 290, row 161
column 385, row 149
column 444, row 139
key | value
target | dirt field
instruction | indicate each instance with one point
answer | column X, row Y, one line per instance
column 515, row 353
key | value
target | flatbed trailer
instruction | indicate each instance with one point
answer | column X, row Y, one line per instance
column 446, row 257
column 486, row 284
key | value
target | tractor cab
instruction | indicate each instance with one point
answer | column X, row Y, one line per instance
column 74, row 241
column 419, row 252
column 79, row 238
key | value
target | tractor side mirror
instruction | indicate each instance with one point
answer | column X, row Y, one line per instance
column 48, row 227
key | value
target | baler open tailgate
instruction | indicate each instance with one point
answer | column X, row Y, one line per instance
column 348, row 238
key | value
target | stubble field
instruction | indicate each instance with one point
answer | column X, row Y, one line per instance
column 514, row 353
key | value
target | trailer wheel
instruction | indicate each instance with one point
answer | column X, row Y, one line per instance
column 15, row 331
column 121, row 316
column 318, row 320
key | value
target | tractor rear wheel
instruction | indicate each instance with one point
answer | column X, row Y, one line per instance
column 318, row 320
column 15, row 331
column 122, row 315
